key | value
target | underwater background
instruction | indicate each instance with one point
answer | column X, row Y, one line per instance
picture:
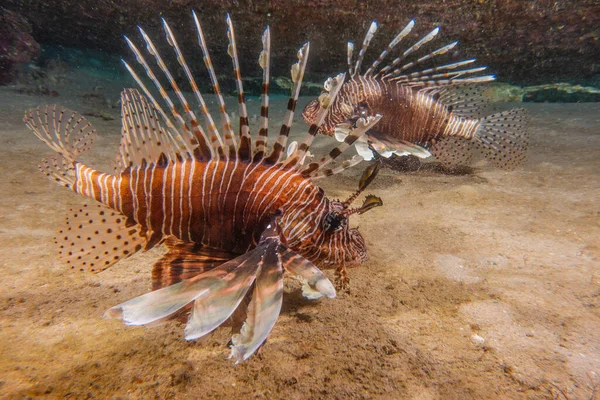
column 484, row 284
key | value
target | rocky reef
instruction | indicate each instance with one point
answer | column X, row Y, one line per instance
column 523, row 42
column 17, row 46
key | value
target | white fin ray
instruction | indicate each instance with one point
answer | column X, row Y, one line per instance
column 363, row 150
column 362, row 127
column 386, row 145
column 415, row 47
column 225, row 120
column 181, row 124
column 162, row 303
column 190, row 118
column 143, row 137
column 58, row 169
column 65, row 131
column 214, row 308
column 264, row 61
column 190, row 143
column 314, row 282
column 344, row 165
column 361, row 55
column 214, row 132
column 350, row 55
column 401, row 35
column 438, row 52
column 264, row 307
column 297, row 73
column 326, row 100
column 245, row 138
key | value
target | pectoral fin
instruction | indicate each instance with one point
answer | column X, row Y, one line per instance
column 219, row 292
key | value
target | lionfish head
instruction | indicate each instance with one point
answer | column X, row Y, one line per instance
column 311, row 111
column 340, row 244
column 336, row 243
column 340, row 111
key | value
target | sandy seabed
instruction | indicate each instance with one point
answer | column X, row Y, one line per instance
column 482, row 285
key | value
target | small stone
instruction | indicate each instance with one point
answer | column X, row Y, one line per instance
column 477, row 340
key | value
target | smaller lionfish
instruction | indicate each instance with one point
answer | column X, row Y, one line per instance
column 436, row 110
column 233, row 215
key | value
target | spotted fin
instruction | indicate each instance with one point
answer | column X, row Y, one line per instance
column 453, row 151
column 184, row 261
column 59, row 169
column 67, row 133
column 463, row 101
column 95, row 237
column 503, row 138
column 63, row 130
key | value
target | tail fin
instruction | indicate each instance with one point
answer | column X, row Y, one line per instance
column 503, row 138
column 64, row 131
column 216, row 294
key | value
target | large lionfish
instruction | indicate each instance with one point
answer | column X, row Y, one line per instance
column 436, row 110
column 233, row 215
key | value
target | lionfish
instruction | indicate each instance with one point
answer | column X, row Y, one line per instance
column 233, row 215
column 435, row 110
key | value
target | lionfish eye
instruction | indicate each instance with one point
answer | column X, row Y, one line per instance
column 334, row 222
column 362, row 108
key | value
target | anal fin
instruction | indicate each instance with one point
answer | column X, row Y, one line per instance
column 96, row 237
column 184, row 261
column 453, row 151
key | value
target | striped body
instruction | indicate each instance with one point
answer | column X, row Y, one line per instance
column 408, row 114
column 223, row 205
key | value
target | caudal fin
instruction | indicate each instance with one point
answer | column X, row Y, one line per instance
column 64, row 131
column 503, row 138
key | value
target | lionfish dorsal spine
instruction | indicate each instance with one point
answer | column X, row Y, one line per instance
column 361, row 55
column 189, row 138
column 264, row 61
column 245, row 138
column 350, row 53
column 415, row 47
column 189, row 121
column 297, row 73
column 212, row 141
column 225, row 120
column 427, row 78
column 401, row 35
column 362, row 126
column 326, row 100
column 180, row 123
column 442, row 50
column 143, row 137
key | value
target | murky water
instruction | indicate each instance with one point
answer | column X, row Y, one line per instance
column 479, row 285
